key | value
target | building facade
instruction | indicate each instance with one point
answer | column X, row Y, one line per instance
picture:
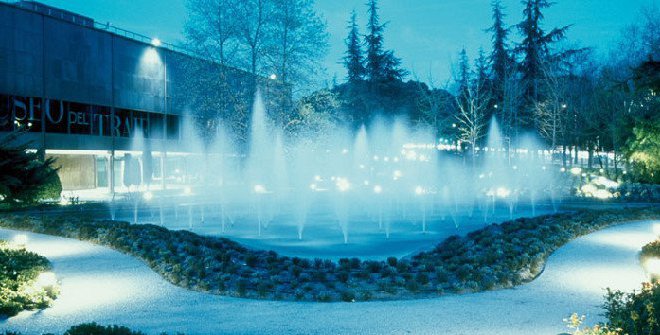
column 86, row 93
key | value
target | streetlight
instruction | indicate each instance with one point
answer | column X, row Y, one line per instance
column 156, row 42
column 273, row 77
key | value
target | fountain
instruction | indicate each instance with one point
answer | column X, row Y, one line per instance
column 349, row 187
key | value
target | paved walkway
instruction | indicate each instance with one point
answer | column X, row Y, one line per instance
column 102, row 285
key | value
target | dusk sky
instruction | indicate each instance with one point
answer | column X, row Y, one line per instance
column 426, row 34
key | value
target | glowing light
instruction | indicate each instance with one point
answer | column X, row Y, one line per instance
column 656, row 228
column 482, row 176
column 148, row 196
column 273, row 77
column 378, row 189
column 29, row 124
column 601, row 170
column 386, row 159
column 156, row 42
column 397, row 174
column 603, row 194
column 312, row 186
column 317, row 178
column 502, row 192
column 342, row 184
column 187, row 190
column 396, row 159
column 63, row 201
column 411, row 155
column 345, row 151
column 562, row 169
column 20, row 240
column 376, row 158
column 576, row 171
column 453, row 125
column 362, row 166
column 366, row 183
column 588, row 189
column 46, row 279
column 515, row 167
column 602, row 181
column 260, row 189
column 652, row 266
column 419, row 190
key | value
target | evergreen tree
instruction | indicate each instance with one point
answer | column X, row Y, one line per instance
column 24, row 177
column 481, row 68
column 382, row 65
column 500, row 57
column 463, row 79
column 535, row 47
column 482, row 81
column 354, row 59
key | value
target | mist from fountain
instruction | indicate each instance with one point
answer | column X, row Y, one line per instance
column 387, row 176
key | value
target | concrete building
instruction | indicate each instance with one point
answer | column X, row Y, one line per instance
column 85, row 91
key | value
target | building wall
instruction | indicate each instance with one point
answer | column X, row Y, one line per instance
column 89, row 77
column 21, row 52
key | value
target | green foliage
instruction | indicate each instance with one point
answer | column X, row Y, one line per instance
column 19, row 270
column 498, row 256
column 643, row 150
column 95, row 329
column 634, row 313
column 574, row 322
column 24, row 177
column 651, row 250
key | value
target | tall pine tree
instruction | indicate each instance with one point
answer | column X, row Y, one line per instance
column 382, row 65
column 354, row 59
column 536, row 48
column 500, row 58
column 463, row 79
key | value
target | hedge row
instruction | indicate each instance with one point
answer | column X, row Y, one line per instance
column 19, row 269
column 497, row 256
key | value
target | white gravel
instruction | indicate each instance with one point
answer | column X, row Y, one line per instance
column 102, row 285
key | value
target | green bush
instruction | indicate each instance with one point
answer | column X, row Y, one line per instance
column 651, row 250
column 497, row 256
column 51, row 189
column 19, row 271
column 25, row 177
column 634, row 313
column 95, row 329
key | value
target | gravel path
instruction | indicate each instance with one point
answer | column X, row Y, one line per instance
column 102, row 285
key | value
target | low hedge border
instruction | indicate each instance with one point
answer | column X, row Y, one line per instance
column 19, row 271
column 495, row 257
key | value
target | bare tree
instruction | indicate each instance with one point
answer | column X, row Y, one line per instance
column 549, row 112
column 435, row 106
column 471, row 116
column 253, row 22
column 212, row 29
column 297, row 41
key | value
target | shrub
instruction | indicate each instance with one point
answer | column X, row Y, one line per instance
column 636, row 312
column 348, row 296
column 19, row 270
column 95, row 329
column 391, row 261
